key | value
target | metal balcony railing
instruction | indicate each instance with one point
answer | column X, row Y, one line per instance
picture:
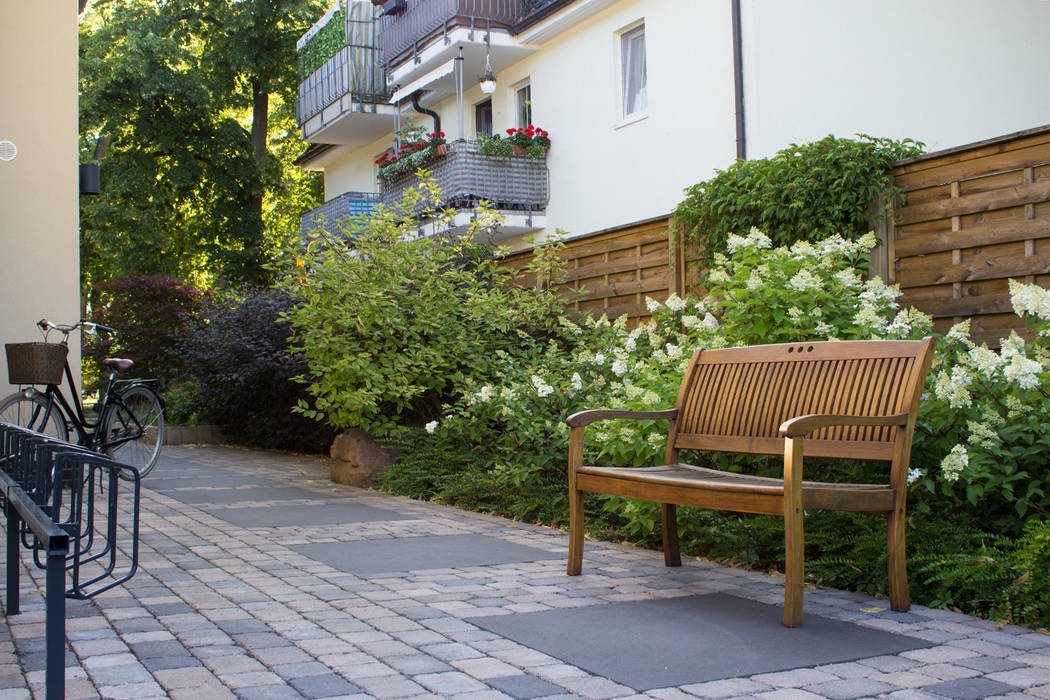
column 403, row 36
column 466, row 176
column 329, row 215
column 354, row 69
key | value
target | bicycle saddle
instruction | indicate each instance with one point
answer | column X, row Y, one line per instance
column 118, row 364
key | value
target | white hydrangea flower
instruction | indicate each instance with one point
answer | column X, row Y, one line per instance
column 542, row 387
column 656, row 440
column 868, row 241
column 735, row 243
column 914, row 475
column 718, row 276
column 599, row 359
column 959, row 333
column 690, row 321
column 795, row 314
column 1023, row 371
column 700, row 307
column 876, row 292
column 805, row 281
column 710, row 322
column 848, row 278
column 650, row 398
column 981, row 435
column 755, row 281
column 985, row 360
column 1030, row 298
column 577, row 381
column 652, row 304
column 868, row 316
column 835, row 244
column 801, row 250
column 630, row 343
column 431, row 426
column 954, row 463
column 1014, row 345
column 900, row 324
column 953, row 387
column 674, row 302
column 673, row 351
column 824, row 329
column 757, row 239
column 619, row 368
column 486, row 393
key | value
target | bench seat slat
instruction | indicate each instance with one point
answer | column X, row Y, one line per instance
column 816, row 495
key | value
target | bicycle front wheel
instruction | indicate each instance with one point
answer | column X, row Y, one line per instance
column 31, row 410
column 133, row 428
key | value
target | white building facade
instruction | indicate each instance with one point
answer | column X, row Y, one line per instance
column 643, row 98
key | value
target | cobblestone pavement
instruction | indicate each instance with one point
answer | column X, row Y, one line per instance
column 221, row 611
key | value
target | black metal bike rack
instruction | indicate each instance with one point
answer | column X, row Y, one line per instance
column 49, row 496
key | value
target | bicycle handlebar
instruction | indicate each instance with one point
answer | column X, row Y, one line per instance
column 89, row 327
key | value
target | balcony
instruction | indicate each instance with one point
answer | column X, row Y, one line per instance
column 348, row 205
column 515, row 185
column 420, row 44
column 343, row 94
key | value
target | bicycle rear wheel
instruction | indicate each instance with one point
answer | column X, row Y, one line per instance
column 133, row 428
column 35, row 412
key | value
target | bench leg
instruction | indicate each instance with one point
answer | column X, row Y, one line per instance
column 794, row 569
column 575, row 564
column 897, row 561
column 669, row 520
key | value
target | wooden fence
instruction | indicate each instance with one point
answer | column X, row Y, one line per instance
column 975, row 217
column 611, row 272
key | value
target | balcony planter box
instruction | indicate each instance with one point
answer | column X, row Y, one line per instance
column 466, row 176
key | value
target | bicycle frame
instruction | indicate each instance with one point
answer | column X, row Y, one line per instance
column 88, row 432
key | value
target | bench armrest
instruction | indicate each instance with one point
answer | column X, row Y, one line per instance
column 803, row 425
column 584, row 418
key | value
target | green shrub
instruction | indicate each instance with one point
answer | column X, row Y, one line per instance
column 148, row 313
column 397, row 325
column 804, row 192
column 241, row 374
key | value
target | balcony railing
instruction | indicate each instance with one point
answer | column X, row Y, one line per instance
column 353, row 69
column 466, row 176
column 404, row 35
column 328, row 216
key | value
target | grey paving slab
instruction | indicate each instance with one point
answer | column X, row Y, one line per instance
column 657, row 643
column 377, row 557
column 225, row 496
column 310, row 516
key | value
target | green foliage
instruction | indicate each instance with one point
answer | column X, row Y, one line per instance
column 324, row 44
column 495, row 145
column 148, row 313
column 415, row 150
column 984, row 430
column 395, row 327
column 186, row 90
column 241, row 374
column 804, row 192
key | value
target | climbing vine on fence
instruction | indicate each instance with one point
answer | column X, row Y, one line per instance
column 804, row 192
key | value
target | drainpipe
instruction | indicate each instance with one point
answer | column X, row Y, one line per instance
column 738, row 82
column 422, row 110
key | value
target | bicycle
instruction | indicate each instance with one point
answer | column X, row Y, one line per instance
column 129, row 427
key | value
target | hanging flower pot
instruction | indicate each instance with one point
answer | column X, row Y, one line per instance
column 488, row 86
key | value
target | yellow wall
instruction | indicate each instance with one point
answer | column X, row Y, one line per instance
column 39, row 250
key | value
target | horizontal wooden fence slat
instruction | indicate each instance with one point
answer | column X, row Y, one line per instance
column 984, row 201
column 972, row 237
column 979, row 167
column 980, row 269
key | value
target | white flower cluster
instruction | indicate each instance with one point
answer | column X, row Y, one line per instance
column 577, row 381
column 1023, row 371
column 914, row 475
column 542, row 387
column 953, row 387
column 1030, row 298
column 431, row 426
column 674, row 302
column 805, row 281
column 754, row 239
column 954, row 463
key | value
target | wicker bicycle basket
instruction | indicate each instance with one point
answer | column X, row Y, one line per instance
column 35, row 363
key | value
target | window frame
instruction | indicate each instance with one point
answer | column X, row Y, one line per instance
column 523, row 108
column 628, row 53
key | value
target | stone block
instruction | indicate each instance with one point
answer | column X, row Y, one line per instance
column 358, row 460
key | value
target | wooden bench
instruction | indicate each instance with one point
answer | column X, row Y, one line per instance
column 849, row 400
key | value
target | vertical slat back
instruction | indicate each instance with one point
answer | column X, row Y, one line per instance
column 750, row 392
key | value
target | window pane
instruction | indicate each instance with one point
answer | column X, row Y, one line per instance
column 635, row 96
column 525, row 106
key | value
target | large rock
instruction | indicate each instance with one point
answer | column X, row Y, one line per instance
column 358, row 460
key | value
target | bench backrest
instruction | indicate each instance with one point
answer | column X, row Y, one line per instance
column 735, row 399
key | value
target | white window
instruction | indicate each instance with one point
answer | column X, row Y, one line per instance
column 524, row 94
column 632, row 52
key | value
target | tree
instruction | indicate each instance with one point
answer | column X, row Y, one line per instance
column 186, row 89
